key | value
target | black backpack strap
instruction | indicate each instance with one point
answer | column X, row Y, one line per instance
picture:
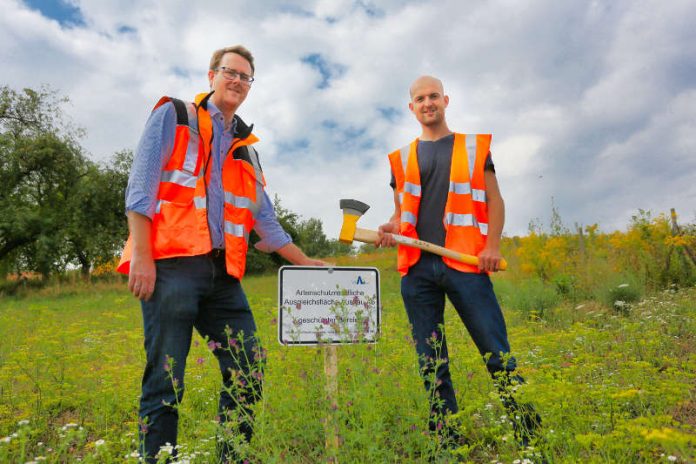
column 181, row 112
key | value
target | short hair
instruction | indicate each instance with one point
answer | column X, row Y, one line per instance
column 238, row 49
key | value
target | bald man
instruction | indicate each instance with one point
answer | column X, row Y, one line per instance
column 446, row 193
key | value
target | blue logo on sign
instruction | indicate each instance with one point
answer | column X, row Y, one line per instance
column 360, row 281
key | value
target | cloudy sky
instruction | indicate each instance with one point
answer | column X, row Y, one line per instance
column 592, row 105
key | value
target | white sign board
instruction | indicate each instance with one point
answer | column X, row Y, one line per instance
column 328, row 305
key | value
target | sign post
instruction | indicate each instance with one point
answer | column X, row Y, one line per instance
column 328, row 306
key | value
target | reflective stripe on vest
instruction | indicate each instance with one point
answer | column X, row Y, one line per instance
column 413, row 189
column 464, row 220
column 409, row 217
column 238, row 230
column 181, row 178
column 191, row 160
column 245, row 202
column 464, row 188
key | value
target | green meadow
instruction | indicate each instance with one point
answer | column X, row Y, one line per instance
column 613, row 383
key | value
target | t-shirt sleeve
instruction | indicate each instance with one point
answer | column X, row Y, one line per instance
column 489, row 166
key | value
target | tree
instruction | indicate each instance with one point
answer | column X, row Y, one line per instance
column 58, row 206
column 97, row 227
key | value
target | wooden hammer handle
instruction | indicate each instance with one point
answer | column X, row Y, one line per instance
column 371, row 236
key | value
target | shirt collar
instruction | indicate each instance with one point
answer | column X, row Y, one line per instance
column 214, row 112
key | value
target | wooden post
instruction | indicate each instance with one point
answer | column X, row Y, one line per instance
column 331, row 424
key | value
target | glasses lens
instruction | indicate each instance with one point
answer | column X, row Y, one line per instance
column 232, row 74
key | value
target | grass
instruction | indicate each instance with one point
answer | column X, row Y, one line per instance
column 611, row 386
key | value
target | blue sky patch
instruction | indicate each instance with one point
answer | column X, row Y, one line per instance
column 327, row 69
column 294, row 145
column 126, row 29
column 389, row 113
column 59, row 10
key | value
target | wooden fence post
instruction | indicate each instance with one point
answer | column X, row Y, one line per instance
column 331, row 424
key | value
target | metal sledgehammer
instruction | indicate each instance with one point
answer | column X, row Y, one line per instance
column 353, row 209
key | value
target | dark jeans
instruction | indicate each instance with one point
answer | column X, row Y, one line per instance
column 196, row 292
column 424, row 289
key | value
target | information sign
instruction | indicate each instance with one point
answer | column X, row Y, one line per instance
column 328, row 305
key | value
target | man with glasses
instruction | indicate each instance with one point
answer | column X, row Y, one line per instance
column 195, row 192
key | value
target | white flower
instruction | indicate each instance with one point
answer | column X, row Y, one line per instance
column 135, row 454
column 623, row 286
column 672, row 458
column 23, row 422
column 99, row 442
column 6, row 439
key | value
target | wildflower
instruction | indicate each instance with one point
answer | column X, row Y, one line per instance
column 23, row 422
column 6, row 439
column 200, row 360
column 672, row 458
column 99, row 442
column 134, row 454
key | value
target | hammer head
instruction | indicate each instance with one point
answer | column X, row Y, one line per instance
column 352, row 210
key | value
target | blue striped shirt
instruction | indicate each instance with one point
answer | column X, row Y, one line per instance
column 151, row 156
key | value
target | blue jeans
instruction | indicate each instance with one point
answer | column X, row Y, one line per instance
column 424, row 289
column 196, row 292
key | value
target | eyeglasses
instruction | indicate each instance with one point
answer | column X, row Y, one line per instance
column 232, row 74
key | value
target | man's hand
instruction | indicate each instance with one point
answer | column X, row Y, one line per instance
column 316, row 262
column 296, row 256
column 489, row 260
column 141, row 278
column 385, row 231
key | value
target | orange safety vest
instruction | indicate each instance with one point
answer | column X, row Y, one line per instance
column 180, row 222
column 466, row 210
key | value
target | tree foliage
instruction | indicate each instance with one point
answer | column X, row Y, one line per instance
column 59, row 207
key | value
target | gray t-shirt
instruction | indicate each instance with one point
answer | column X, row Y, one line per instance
column 434, row 162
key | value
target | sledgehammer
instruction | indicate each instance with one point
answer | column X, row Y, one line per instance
column 353, row 209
